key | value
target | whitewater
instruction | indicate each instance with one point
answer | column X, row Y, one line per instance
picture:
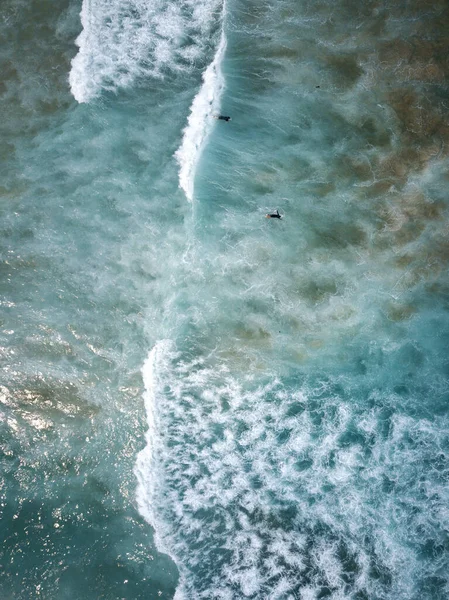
column 198, row 402
column 123, row 42
column 205, row 106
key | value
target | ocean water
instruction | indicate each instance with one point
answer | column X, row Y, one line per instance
column 197, row 402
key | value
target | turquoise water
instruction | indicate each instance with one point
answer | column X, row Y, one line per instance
column 196, row 401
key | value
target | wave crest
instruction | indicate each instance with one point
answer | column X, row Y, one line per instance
column 123, row 40
column 199, row 126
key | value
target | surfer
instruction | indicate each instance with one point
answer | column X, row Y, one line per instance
column 275, row 215
column 222, row 118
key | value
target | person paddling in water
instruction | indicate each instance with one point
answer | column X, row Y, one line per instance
column 222, row 118
column 275, row 215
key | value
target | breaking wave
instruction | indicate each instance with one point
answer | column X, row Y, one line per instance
column 125, row 40
column 204, row 105
column 285, row 489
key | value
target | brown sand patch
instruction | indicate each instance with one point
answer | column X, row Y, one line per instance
column 417, row 206
column 393, row 166
column 426, row 72
column 49, row 107
column 418, row 117
column 262, row 189
column 342, row 235
column 323, row 189
column 403, row 220
column 354, row 167
column 417, row 59
column 316, row 292
column 420, row 273
column 344, row 69
column 439, row 288
column 400, row 312
column 342, row 313
column 426, row 49
column 439, row 252
column 411, row 206
column 282, row 52
column 412, row 158
column 254, row 336
column 404, row 260
column 409, row 232
column 299, row 168
column 434, row 150
column 430, row 258
column 300, row 356
column 395, row 50
column 375, row 134
column 406, row 216
column 316, row 344
column 377, row 188
column 391, row 218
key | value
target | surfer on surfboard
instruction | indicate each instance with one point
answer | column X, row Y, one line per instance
column 274, row 215
column 222, row 118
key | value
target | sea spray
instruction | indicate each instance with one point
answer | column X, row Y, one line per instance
column 147, row 471
column 200, row 123
column 264, row 488
column 124, row 41
column 150, row 463
column 82, row 85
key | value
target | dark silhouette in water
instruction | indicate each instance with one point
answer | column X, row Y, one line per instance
column 275, row 215
column 222, row 118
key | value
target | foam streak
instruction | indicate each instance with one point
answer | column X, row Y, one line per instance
column 199, row 126
column 147, row 464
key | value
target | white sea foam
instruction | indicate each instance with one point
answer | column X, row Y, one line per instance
column 123, row 40
column 254, row 500
column 148, row 460
column 199, row 124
